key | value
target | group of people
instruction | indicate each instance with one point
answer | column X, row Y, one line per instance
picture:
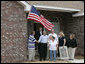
column 49, row 45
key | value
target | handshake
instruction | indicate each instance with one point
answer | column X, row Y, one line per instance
column 36, row 41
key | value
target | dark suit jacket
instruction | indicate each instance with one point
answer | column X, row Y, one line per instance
column 37, row 35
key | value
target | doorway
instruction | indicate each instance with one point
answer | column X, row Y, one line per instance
column 37, row 25
column 36, row 28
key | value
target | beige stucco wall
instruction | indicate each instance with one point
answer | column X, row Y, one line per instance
column 66, row 4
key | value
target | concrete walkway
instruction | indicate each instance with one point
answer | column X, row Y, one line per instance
column 77, row 61
column 59, row 61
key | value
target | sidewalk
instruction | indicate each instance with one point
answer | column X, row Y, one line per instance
column 59, row 61
column 78, row 59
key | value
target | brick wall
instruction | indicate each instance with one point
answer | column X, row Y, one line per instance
column 76, row 26
column 13, row 32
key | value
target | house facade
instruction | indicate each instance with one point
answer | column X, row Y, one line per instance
column 67, row 16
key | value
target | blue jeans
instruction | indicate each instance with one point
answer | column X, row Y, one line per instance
column 53, row 55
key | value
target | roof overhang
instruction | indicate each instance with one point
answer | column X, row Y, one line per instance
column 52, row 8
column 27, row 8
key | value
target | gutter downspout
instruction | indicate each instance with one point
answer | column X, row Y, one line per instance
column 27, row 7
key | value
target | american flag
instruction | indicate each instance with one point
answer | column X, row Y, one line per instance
column 35, row 15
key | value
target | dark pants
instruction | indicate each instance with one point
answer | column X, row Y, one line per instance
column 43, row 51
column 39, row 45
column 58, row 53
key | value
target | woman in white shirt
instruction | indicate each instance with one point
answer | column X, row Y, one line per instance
column 53, row 44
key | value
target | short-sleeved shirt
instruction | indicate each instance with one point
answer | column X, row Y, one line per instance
column 52, row 45
column 61, row 41
column 55, row 35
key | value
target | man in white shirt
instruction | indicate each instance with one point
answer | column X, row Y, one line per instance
column 53, row 34
column 43, row 47
column 56, row 38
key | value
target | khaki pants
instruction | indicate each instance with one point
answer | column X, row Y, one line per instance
column 31, row 54
column 71, row 52
column 63, row 52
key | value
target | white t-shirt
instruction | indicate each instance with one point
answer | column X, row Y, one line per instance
column 52, row 45
column 43, row 39
column 55, row 35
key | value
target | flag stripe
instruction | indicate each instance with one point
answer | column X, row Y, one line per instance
column 46, row 20
column 39, row 20
column 51, row 25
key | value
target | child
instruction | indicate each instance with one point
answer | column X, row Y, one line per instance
column 53, row 45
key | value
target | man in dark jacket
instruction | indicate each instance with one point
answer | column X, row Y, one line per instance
column 37, row 36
